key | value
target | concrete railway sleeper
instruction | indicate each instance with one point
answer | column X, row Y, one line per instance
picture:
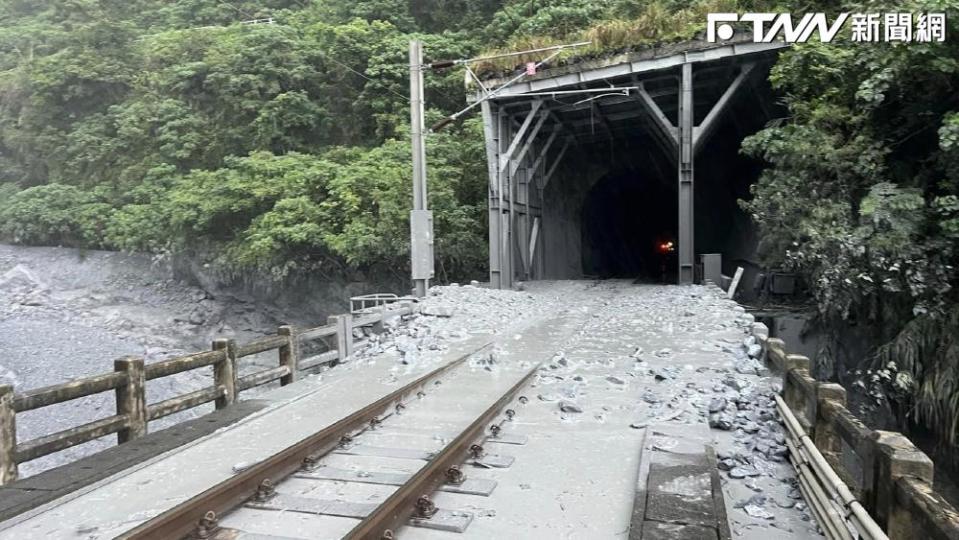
column 412, row 500
column 254, row 488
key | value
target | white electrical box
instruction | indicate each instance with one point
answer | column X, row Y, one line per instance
column 421, row 244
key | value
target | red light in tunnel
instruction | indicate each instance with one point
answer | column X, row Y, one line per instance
column 667, row 247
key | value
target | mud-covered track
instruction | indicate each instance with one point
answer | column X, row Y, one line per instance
column 197, row 516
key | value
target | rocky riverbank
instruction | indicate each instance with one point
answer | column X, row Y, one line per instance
column 67, row 314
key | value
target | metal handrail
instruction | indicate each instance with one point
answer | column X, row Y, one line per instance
column 816, row 475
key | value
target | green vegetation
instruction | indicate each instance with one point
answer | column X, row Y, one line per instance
column 267, row 149
column 862, row 197
column 273, row 150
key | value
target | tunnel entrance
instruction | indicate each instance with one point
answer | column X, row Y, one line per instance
column 629, row 227
column 628, row 166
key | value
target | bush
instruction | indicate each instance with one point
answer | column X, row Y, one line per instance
column 54, row 214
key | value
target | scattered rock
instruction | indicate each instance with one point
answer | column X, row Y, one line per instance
column 755, row 500
column 734, row 383
column 743, row 471
column 436, row 311
column 569, row 407
column 758, row 512
column 716, row 405
column 726, row 464
column 650, row 397
column 721, row 421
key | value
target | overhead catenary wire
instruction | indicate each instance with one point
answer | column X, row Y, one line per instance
column 374, row 81
column 490, row 95
column 238, row 10
column 449, row 63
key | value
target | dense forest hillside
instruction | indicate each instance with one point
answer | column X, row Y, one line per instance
column 276, row 149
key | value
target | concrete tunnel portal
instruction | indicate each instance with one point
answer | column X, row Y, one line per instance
column 626, row 167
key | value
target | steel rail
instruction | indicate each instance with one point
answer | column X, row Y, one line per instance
column 399, row 507
column 182, row 520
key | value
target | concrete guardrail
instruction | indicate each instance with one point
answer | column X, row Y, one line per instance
column 886, row 474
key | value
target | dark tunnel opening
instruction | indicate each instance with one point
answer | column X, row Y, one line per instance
column 632, row 211
column 629, row 218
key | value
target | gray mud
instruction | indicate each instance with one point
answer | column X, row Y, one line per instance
column 66, row 314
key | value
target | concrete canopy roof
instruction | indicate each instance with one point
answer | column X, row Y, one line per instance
column 597, row 116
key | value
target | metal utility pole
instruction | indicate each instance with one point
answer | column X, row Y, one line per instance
column 421, row 219
column 686, row 156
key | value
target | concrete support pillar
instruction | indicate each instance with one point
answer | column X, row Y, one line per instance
column 830, row 397
column 492, row 127
column 685, row 161
column 421, row 223
column 896, row 457
column 344, row 334
column 775, row 353
column 289, row 354
column 527, row 225
column 224, row 372
column 131, row 398
column 797, row 361
column 8, row 436
column 506, row 208
column 541, row 237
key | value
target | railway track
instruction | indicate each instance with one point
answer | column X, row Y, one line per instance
column 279, row 493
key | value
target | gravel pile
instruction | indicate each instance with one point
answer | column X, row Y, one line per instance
column 743, row 404
column 450, row 314
column 694, row 361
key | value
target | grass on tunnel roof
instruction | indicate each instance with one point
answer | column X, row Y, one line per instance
column 656, row 25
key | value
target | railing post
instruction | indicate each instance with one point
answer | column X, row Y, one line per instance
column 344, row 334
column 131, row 398
column 829, row 397
column 289, row 354
column 896, row 457
column 798, row 361
column 8, row 436
column 795, row 367
column 224, row 371
column 347, row 323
column 776, row 353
